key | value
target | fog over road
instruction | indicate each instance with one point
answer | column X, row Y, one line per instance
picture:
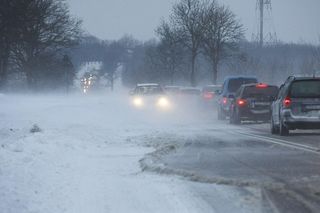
column 98, row 154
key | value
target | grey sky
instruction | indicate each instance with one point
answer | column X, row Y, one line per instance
column 294, row 20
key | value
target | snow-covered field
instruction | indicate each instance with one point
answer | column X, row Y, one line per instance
column 81, row 154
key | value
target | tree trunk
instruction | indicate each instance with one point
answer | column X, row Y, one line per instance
column 192, row 76
column 3, row 73
column 4, row 68
column 30, row 78
column 214, row 72
column 112, row 83
column 172, row 71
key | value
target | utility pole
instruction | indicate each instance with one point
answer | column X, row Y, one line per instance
column 261, row 7
column 266, row 30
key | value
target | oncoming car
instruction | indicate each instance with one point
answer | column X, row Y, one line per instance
column 150, row 96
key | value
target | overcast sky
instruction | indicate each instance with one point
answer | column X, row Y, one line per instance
column 294, row 20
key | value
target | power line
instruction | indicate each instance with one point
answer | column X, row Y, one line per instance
column 265, row 33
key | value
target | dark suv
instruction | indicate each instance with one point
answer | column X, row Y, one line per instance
column 229, row 88
column 297, row 105
column 253, row 102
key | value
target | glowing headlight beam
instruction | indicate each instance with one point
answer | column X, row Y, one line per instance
column 163, row 102
column 138, row 102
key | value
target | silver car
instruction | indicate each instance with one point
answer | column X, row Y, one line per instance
column 297, row 106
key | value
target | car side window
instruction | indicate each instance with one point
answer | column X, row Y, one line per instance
column 281, row 91
column 239, row 92
column 223, row 88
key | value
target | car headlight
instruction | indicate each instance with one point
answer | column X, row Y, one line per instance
column 138, row 102
column 163, row 102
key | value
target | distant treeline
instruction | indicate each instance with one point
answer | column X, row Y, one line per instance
column 41, row 47
column 200, row 43
column 140, row 61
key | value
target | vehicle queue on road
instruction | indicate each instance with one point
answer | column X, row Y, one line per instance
column 293, row 105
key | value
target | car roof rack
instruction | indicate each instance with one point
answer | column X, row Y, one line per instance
column 295, row 77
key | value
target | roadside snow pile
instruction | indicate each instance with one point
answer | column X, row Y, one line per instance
column 35, row 129
column 86, row 160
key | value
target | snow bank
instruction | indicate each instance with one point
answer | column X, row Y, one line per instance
column 86, row 159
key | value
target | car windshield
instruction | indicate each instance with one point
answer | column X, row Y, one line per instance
column 235, row 84
column 149, row 90
column 190, row 92
column 265, row 92
column 305, row 89
column 211, row 88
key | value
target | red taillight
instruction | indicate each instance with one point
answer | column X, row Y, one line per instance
column 207, row 95
column 261, row 85
column 287, row 102
column 241, row 102
column 225, row 100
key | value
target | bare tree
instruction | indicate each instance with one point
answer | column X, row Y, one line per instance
column 170, row 50
column 47, row 27
column 188, row 19
column 9, row 33
column 112, row 59
column 222, row 35
column 316, row 55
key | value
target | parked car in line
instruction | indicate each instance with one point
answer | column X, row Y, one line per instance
column 190, row 91
column 189, row 97
column 150, row 96
column 172, row 90
column 297, row 106
column 252, row 102
column 229, row 88
column 210, row 94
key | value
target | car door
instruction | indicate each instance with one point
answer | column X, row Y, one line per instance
column 276, row 105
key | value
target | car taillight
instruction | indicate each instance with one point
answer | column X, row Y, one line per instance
column 225, row 100
column 287, row 102
column 241, row 102
column 207, row 95
column 262, row 86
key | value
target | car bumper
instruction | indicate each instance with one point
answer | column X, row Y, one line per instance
column 300, row 122
column 250, row 114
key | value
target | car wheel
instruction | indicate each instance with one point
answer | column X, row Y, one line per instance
column 231, row 119
column 274, row 129
column 236, row 117
column 283, row 130
column 221, row 115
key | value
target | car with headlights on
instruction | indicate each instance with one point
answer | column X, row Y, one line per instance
column 297, row 106
column 252, row 102
column 172, row 90
column 149, row 96
column 189, row 97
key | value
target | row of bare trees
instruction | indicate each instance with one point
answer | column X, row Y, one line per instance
column 34, row 37
column 198, row 27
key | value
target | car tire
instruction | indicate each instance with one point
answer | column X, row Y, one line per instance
column 221, row 115
column 231, row 119
column 283, row 130
column 235, row 117
column 273, row 128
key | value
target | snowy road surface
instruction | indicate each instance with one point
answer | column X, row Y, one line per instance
column 97, row 154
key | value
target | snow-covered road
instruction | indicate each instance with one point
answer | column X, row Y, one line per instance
column 85, row 159
column 86, row 154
